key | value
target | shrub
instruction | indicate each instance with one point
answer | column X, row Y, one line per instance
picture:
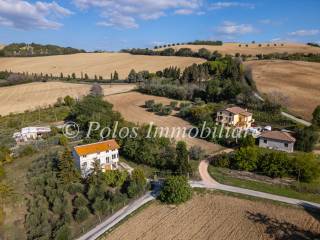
column 173, row 104
column 63, row 141
column 246, row 159
column 82, row 214
column 196, row 153
column 27, row 151
column 166, row 110
column 157, row 107
column 221, row 160
column 176, row 189
column 149, row 103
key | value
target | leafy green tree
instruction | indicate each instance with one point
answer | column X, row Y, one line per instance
column 316, row 117
column 246, row 159
column 63, row 141
column 115, row 178
column 94, row 109
column 115, row 76
column 306, row 167
column 132, row 77
column 307, row 138
column 63, row 233
column 247, row 141
column 196, row 153
column 68, row 173
column 100, row 206
column 274, row 164
column 82, row 214
column 80, row 201
column 183, row 167
column 204, row 53
column 175, row 190
column 68, row 101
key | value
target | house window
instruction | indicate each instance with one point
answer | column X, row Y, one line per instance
column 265, row 141
column 84, row 165
column 286, row 145
column 84, row 156
column 108, row 159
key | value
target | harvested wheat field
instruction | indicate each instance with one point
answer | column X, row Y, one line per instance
column 216, row 216
column 23, row 97
column 253, row 49
column 298, row 82
column 130, row 105
column 100, row 64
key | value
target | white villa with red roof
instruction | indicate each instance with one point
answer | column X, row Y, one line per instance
column 277, row 140
column 105, row 153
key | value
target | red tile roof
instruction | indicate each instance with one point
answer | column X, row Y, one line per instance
column 238, row 110
column 277, row 135
column 96, row 147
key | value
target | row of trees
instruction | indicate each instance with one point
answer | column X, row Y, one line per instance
column 310, row 57
column 197, row 42
column 302, row 166
column 182, row 52
column 33, row 49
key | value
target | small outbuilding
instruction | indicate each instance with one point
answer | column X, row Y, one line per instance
column 277, row 140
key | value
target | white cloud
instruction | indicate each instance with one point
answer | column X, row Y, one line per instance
column 222, row 5
column 305, row 32
column 24, row 15
column 125, row 13
column 231, row 28
column 183, row 11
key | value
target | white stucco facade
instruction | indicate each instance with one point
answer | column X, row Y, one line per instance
column 276, row 144
column 86, row 155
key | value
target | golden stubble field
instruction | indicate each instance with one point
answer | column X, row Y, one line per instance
column 16, row 99
column 130, row 105
column 216, row 216
column 100, row 64
column 297, row 81
column 253, row 49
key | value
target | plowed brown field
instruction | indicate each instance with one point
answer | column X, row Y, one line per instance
column 100, row 64
column 23, row 97
column 214, row 216
column 130, row 106
column 297, row 81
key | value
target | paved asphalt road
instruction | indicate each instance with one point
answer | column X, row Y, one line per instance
column 117, row 217
column 209, row 183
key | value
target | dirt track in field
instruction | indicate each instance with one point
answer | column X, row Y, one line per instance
column 130, row 105
column 23, row 97
column 297, row 81
column 214, row 216
column 100, row 64
column 253, row 49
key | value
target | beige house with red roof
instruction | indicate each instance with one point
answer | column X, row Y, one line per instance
column 236, row 117
column 106, row 153
column 277, row 140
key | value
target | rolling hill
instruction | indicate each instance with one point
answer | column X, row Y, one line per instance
column 253, row 49
column 100, row 64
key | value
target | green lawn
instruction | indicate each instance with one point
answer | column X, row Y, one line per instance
column 220, row 175
column 148, row 171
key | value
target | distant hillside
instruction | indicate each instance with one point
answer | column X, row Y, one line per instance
column 33, row 49
column 1, row 46
column 249, row 48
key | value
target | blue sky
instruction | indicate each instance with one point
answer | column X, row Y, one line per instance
column 117, row 24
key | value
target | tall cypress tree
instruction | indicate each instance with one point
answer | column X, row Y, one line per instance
column 67, row 169
column 182, row 161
